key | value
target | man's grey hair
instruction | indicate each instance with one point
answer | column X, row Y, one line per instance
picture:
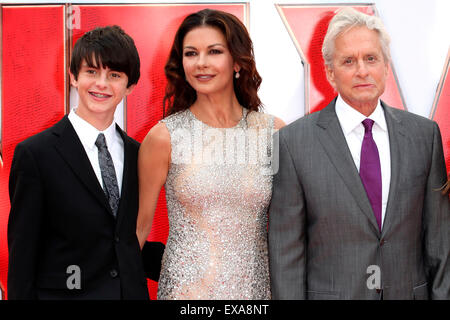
column 346, row 19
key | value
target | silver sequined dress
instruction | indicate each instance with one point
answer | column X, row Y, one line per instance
column 218, row 190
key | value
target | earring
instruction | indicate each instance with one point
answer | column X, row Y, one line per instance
column 237, row 75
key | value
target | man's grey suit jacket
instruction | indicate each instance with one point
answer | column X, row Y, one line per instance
column 324, row 241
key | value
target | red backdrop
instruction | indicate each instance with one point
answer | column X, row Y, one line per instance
column 33, row 87
column 441, row 109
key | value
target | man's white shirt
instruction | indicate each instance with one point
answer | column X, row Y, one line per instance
column 351, row 123
column 88, row 134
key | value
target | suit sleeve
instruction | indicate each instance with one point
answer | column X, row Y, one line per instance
column 24, row 224
column 436, row 221
column 287, row 251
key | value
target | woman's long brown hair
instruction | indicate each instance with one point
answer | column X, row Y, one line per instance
column 179, row 94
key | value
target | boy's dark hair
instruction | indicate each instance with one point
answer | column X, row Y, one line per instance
column 109, row 47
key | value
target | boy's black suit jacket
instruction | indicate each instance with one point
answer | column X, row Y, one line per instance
column 60, row 217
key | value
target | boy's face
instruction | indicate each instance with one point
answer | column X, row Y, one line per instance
column 100, row 90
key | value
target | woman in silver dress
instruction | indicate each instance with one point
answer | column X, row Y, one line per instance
column 212, row 153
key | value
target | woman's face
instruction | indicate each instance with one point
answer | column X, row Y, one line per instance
column 207, row 62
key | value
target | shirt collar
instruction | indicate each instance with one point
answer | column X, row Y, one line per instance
column 88, row 133
column 350, row 118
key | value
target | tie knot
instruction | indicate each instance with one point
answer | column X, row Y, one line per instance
column 101, row 141
column 368, row 124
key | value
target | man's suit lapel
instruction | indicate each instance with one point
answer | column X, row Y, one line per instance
column 398, row 146
column 335, row 145
column 72, row 151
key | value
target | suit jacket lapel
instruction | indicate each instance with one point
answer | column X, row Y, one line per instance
column 72, row 151
column 125, row 179
column 398, row 145
column 335, row 145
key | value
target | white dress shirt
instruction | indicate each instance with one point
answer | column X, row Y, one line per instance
column 88, row 135
column 351, row 124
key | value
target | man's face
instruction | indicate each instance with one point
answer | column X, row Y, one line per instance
column 358, row 72
column 100, row 90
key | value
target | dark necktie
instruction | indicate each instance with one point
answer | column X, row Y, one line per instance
column 370, row 170
column 108, row 173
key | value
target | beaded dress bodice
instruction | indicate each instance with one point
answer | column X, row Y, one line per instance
column 218, row 190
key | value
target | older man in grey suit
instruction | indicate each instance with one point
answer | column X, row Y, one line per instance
column 356, row 212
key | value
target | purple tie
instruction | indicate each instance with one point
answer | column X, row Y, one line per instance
column 370, row 170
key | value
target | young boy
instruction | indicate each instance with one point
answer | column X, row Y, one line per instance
column 74, row 189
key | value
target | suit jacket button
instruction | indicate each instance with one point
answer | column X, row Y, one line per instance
column 382, row 242
column 117, row 239
column 113, row 273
